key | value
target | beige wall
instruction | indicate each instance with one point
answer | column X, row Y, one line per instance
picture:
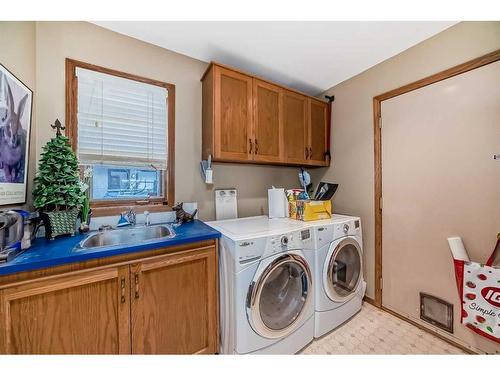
column 352, row 116
column 17, row 53
column 36, row 51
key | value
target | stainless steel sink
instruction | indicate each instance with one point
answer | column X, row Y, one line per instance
column 127, row 236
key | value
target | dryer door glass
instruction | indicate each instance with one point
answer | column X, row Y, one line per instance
column 281, row 295
column 344, row 270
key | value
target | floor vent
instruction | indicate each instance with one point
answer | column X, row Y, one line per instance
column 436, row 311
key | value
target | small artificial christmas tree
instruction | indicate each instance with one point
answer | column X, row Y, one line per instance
column 58, row 193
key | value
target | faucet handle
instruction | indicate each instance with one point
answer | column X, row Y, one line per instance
column 146, row 219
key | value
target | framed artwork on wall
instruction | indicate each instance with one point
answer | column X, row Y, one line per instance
column 16, row 101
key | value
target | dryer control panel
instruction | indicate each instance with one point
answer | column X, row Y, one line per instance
column 347, row 228
column 329, row 233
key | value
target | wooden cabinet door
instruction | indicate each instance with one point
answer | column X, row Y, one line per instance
column 268, row 116
column 81, row 313
column 318, row 129
column 233, row 115
column 295, row 127
column 174, row 303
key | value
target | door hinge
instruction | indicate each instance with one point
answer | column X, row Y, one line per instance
column 380, row 122
column 381, row 203
column 381, row 283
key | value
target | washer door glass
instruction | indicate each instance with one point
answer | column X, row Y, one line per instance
column 281, row 295
column 344, row 270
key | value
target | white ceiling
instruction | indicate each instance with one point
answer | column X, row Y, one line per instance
column 308, row 56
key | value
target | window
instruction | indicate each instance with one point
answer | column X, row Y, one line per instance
column 122, row 127
column 111, row 182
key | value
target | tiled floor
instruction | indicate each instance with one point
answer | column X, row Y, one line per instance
column 373, row 331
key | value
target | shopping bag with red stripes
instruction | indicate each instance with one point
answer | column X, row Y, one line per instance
column 479, row 288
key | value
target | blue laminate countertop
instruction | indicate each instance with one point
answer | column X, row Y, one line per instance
column 48, row 253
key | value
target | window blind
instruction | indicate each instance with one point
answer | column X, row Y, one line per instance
column 121, row 121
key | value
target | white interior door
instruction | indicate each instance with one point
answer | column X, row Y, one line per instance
column 439, row 179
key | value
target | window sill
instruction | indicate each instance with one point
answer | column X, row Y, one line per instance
column 98, row 211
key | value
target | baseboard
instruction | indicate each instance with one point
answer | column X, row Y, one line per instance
column 428, row 330
column 369, row 300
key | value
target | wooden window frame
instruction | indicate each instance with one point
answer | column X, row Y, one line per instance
column 114, row 207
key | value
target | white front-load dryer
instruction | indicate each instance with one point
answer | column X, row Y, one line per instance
column 339, row 272
column 266, row 286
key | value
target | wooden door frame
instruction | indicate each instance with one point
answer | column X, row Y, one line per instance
column 377, row 112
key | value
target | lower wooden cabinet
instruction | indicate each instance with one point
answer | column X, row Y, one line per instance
column 80, row 313
column 165, row 304
column 174, row 304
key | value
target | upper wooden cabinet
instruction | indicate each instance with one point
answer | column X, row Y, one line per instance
column 233, row 115
column 251, row 120
column 318, row 131
column 267, row 122
column 296, row 124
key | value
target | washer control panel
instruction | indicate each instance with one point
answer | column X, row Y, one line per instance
column 305, row 234
column 284, row 241
column 249, row 251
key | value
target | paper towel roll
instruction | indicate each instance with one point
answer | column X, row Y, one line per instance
column 278, row 205
column 457, row 249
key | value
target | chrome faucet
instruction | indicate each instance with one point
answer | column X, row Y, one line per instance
column 147, row 222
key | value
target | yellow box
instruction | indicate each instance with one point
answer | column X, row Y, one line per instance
column 292, row 209
column 314, row 210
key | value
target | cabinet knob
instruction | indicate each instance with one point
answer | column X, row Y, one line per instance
column 310, row 152
column 256, row 146
column 251, row 145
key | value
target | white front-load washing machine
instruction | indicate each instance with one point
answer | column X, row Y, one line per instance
column 266, row 286
column 339, row 284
